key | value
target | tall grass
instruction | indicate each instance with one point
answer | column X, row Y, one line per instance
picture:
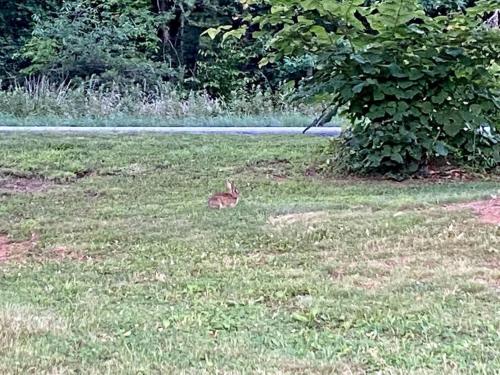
column 41, row 102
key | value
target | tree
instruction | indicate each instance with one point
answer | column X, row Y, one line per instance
column 109, row 41
column 181, row 25
column 16, row 22
column 130, row 41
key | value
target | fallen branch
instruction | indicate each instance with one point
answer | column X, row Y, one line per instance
column 325, row 117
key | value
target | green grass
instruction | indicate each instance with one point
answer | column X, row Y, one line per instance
column 351, row 277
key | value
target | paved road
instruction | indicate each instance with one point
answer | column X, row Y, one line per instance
column 324, row 132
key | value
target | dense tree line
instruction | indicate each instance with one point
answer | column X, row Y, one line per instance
column 120, row 41
column 140, row 41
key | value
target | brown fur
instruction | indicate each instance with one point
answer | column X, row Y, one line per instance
column 225, row 200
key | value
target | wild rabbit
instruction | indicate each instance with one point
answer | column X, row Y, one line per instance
column 225, row 200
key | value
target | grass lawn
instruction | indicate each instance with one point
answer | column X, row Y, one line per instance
column 132, row 273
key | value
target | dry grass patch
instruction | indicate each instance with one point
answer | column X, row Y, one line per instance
column 66, row 253
column 17, row 322
column 308, row 218
column 278, row 170
column 389, row 272
column 458, row 251
column 20, row 327
column 302, row 367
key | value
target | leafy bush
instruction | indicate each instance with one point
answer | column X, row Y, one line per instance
column 106, row 41
column 414, row 88
column 442, row 7
column 222, row 69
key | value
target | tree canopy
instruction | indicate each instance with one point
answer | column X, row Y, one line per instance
column 131, row 40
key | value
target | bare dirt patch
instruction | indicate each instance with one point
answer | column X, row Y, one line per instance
column 312, row 171
column 444, row 172
column 11, row 250
column 20, row 250
column 302, row 217
column 488, row 211
column 432, row 174
column 24, row 185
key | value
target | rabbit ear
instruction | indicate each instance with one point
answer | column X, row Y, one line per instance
column 233, row 188
column 229, row 185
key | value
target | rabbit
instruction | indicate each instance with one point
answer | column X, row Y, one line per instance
column 225, row 200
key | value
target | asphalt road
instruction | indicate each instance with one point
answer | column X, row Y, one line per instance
column 323, row 131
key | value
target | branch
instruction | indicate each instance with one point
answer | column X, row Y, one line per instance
column 325, row 117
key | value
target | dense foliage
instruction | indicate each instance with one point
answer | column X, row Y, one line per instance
column 122, row 39
column 16, row 24
column 417, row 79
column 107, row 40
column 414, row 87
column 130, row 41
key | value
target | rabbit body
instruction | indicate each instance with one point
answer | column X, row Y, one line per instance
column 225, row 200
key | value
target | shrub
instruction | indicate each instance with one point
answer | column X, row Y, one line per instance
column 413, row 87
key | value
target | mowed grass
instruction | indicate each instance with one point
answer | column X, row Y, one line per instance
column 307, row 275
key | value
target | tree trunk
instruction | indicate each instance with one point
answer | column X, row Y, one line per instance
column 168, row 32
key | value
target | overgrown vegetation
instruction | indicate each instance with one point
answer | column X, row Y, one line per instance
column 136, row 41
column 41, row 102
column 125, row 42
column 417, row 80
column 414, row 88
column 132, row 273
